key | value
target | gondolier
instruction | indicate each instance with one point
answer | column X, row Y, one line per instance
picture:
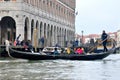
column 104, row 38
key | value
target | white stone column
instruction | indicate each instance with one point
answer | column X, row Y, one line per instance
column 29, row 31
column 53, row 37
column 20, row 30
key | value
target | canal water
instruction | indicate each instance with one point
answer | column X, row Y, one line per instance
column 17, row 69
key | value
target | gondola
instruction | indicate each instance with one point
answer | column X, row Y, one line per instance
column 3, row 52
column 13, row 52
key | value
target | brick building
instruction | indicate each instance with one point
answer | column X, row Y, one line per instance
column 52, row 19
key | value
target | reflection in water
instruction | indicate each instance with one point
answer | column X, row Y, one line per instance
column 107, row 69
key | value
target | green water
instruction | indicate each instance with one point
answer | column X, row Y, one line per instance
column 17, row 69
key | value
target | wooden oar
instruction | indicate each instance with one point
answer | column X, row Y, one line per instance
column 97, row 45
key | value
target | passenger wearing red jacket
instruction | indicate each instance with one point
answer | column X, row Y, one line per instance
column 79, row 50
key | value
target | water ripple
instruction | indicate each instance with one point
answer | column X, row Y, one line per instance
column 106, row 69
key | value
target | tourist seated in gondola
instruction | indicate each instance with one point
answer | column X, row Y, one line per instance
column 30, row 46
column 27, row 45
column 56, row 52
column 68, row 50
column 79, row 50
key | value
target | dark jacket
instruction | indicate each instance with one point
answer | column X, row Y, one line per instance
column 104, row 36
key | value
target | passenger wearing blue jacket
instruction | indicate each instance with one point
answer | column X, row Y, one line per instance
column 56, row 52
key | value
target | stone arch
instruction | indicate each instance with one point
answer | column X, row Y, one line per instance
column 32, row 29
column 48, row 34
column 66, row 42
column 36, row 33
column 48, row 31
column 7, row 29
column 26, row 29
column 37, row 24
column 51, row 35
column 45, row 30
column 58, row 42
column 45, row 34
column 41, row 29
column 37, row 28
column 60, row 35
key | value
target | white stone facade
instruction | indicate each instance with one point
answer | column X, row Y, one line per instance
column 27, row 18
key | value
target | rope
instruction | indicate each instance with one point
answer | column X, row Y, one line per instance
column 9, row 53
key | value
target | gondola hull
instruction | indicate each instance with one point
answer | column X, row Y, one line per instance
column 38, row 56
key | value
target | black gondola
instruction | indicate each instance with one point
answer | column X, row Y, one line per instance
column 38, row 56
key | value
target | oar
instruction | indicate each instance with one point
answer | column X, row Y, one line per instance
column 97, row 45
